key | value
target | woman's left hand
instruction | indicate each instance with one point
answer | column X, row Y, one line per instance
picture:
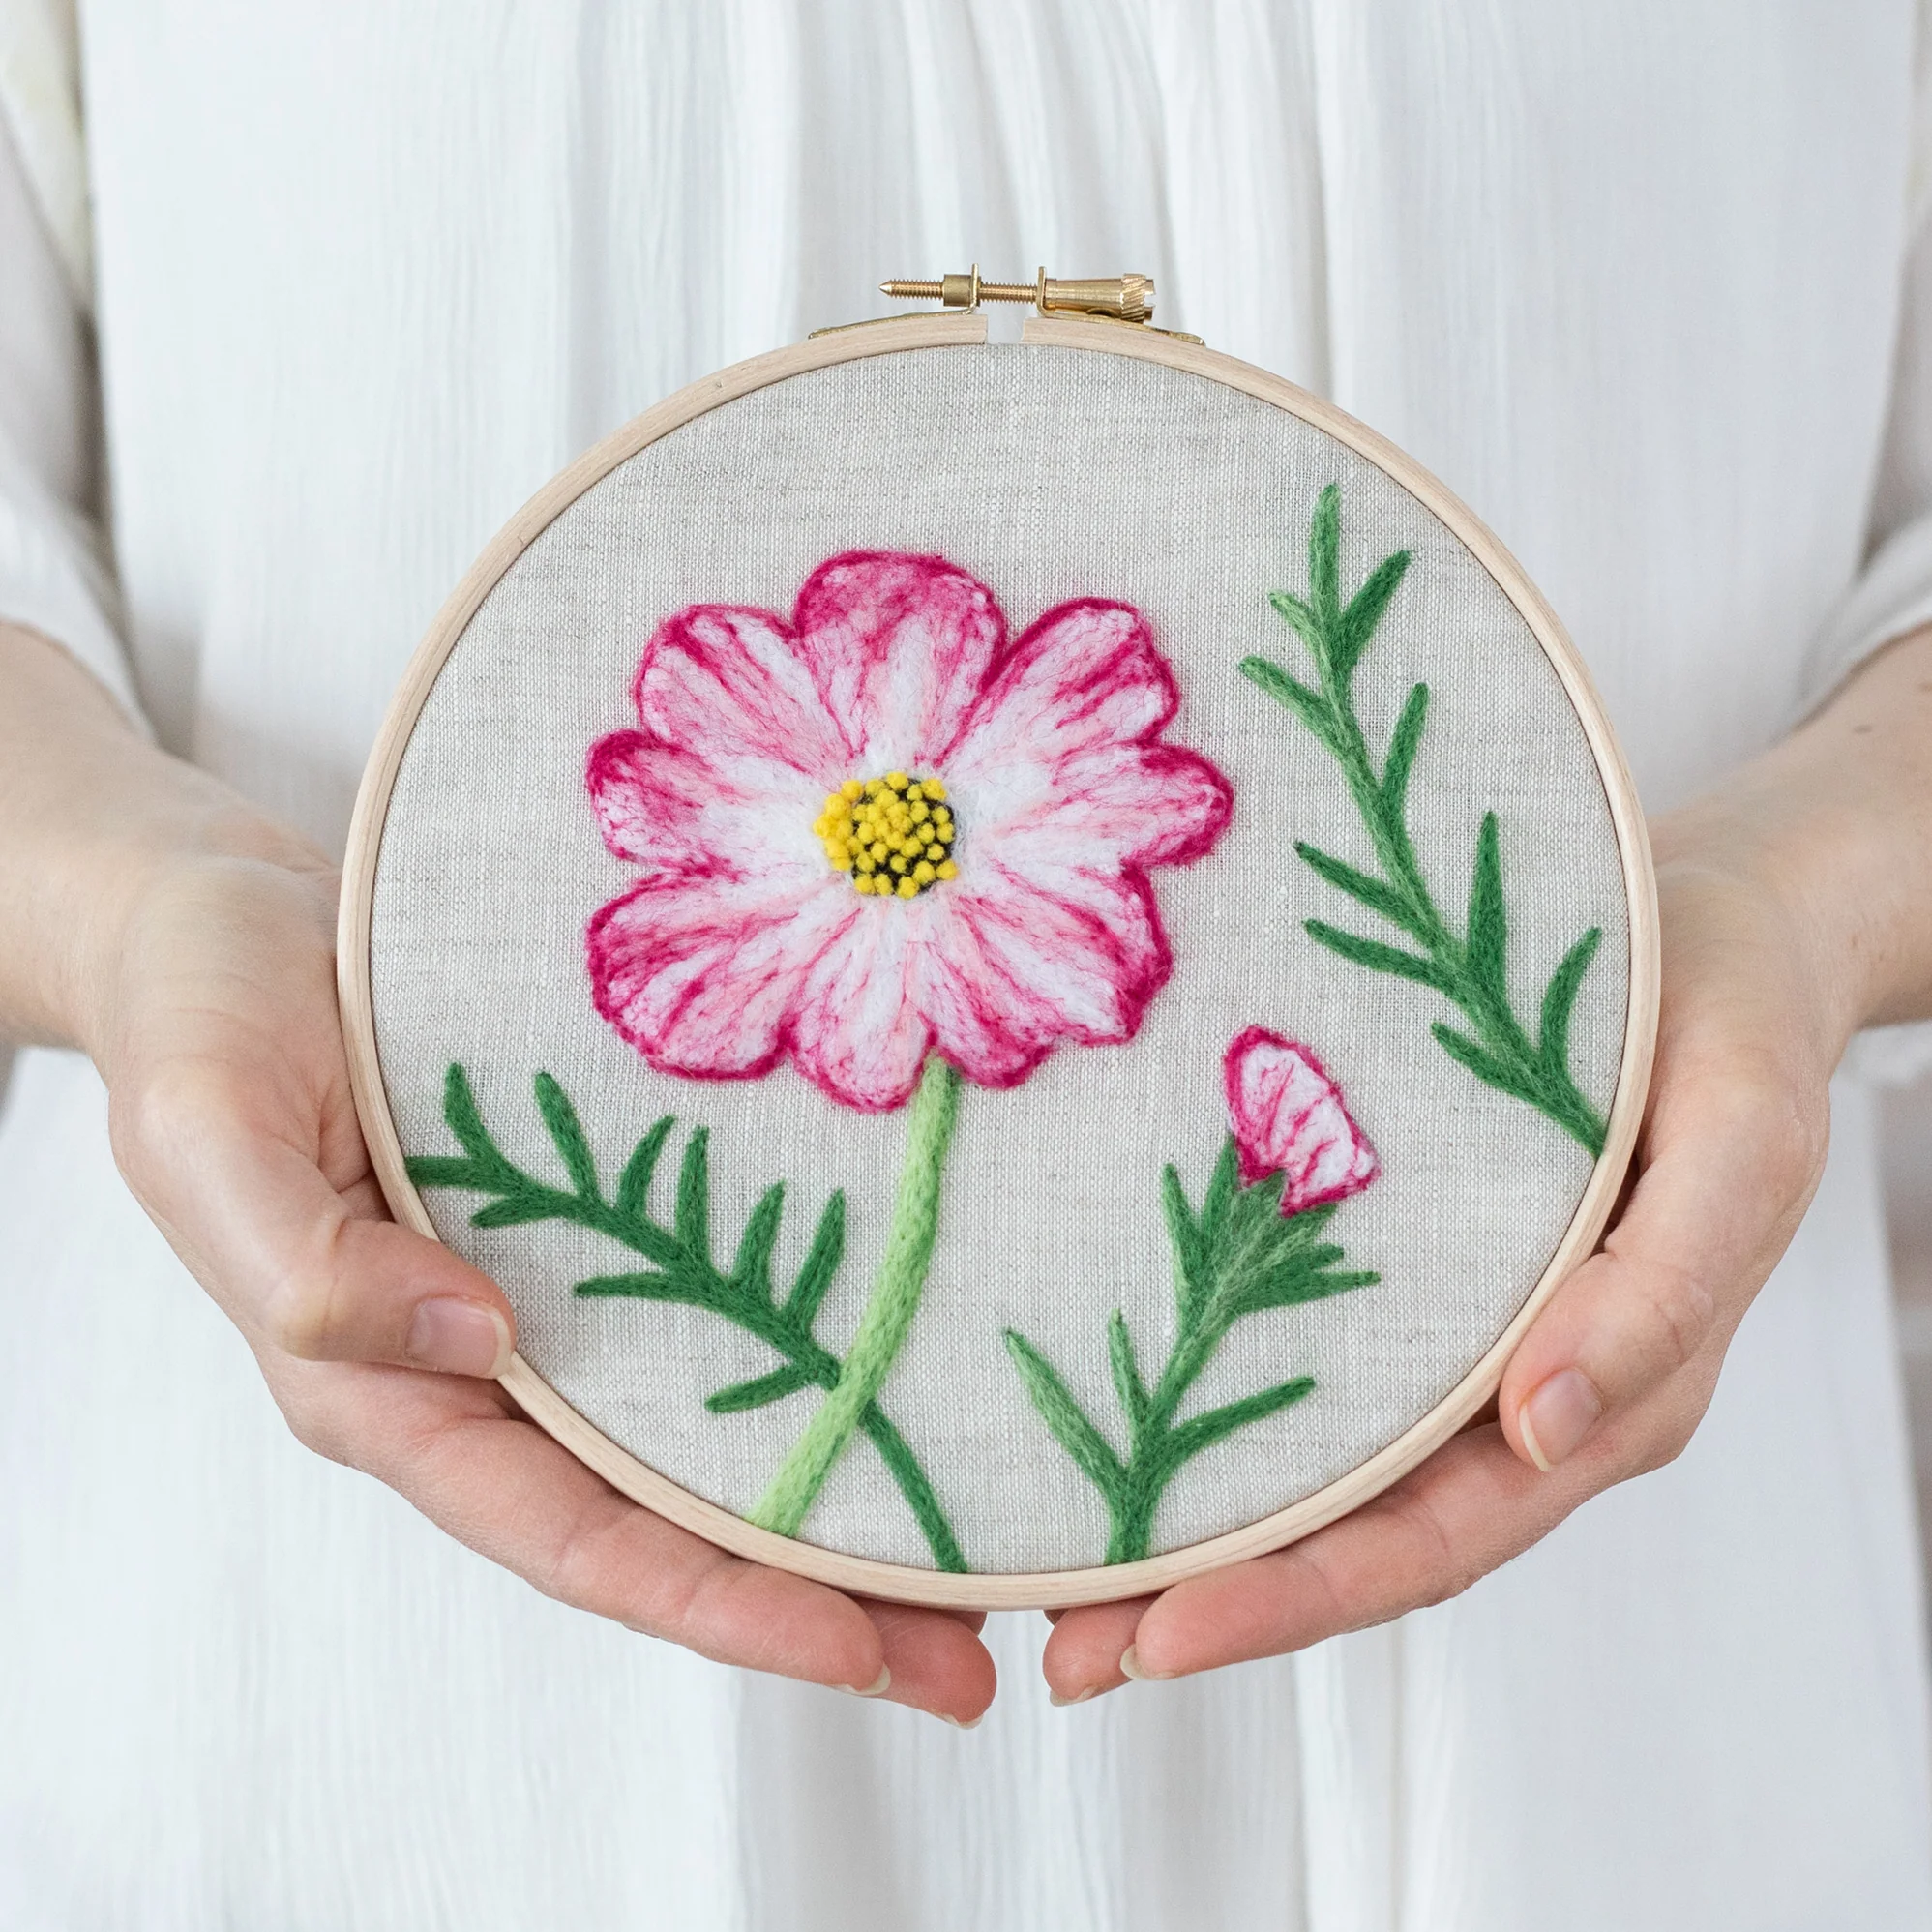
column 1794, row 908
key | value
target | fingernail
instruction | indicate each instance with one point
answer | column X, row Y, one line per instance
column 962, row 1723
column 1060, row 1703
column 877, row 1688
column 1130, row 1667
column 1558, row 1415
column 459, row 1337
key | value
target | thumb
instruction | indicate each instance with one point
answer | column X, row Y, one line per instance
column 237, row 1190
column 1731, row 1158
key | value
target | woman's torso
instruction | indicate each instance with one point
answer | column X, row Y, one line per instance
column 368, row 276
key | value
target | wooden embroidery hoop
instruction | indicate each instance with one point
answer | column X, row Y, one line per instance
column 1050, row 1588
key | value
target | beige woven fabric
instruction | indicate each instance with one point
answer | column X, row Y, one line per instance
column 1049, row 474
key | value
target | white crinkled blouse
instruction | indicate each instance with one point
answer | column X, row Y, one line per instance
column 1646, row 286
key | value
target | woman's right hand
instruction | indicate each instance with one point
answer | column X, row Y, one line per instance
column 199, row 973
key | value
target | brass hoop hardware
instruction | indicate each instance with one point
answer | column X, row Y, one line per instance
column 1120, row 298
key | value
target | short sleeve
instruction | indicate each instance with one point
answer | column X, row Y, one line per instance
column 1892, row 595
column 54, row 574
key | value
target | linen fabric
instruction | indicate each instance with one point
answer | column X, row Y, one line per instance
column 1049, row 474
column 1629, row 282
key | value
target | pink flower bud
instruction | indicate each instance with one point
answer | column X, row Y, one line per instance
column 1288, row 1119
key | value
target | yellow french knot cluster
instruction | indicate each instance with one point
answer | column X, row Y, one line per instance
column 894, row 835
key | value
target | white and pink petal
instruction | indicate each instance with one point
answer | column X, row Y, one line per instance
column 729, row 686
column 857, row 1033
column 1289, row 1117
column 704, row 975
column 1084, row 676
column 1013, row 967
column 900, row 647
column 670, row 808
column 1120, row 805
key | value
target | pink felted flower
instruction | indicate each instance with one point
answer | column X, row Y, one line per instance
column 790, row 789
column 1288, row 1119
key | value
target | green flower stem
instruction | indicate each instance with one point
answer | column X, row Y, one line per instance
column 888, row 1313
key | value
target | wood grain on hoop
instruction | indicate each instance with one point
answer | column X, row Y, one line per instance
column 1045, row 1589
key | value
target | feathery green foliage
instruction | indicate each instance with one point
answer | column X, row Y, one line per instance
column 1468, row 970
column 1237, row 1256
column 682, row 1268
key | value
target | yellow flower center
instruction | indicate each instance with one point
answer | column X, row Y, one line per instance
column 892, row 835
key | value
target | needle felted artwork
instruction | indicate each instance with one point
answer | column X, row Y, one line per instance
column 1025, row 961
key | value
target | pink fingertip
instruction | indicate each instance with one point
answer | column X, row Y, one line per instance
column 1557, row 1415
column 458, row 1337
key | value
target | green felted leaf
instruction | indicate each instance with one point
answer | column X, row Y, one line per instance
column 1357, row 623
column 1128, row 1384
column 1401, row 759
column 1183, row 1235
column 821, row 1263
column 752, row 1270
column 1222, row 1186
column 566, row 1131
column 1203, row 1432
column 1277, row 1243
column 633, row 1185
column 653, row 1287
column 1373, row 893
column 1310, row 706
column 661, row 1245
column 1063, row 1415
column 1298, row 617
column 1374, row 954
column 693, row 1214
column 1298, row 1234
column 1553, row 1038
column 915, row 1488
column 1254, row 1223
column 1324, row 549
column 1484, row 1065
column 765, row 1388
column 460, row 1112
column 1261, row 1245
column 443, row 1170
column 1290, row 1287
column 1488, row 927
column 512, row 1210
column 1311, row 1221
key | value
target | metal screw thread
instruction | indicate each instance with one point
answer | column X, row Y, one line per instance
column 935, row 291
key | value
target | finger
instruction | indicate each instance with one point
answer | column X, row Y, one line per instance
column 1470, row 1507
column 1732, row 1156
column 227, row 1174
column 1082, row 1655
column 927, row 1659
column 463, row 1456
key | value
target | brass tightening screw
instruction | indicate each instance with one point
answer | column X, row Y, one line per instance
column 1127, row 298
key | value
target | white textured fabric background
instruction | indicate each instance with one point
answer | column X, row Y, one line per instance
column 1631, row 281
column 1049, row 474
